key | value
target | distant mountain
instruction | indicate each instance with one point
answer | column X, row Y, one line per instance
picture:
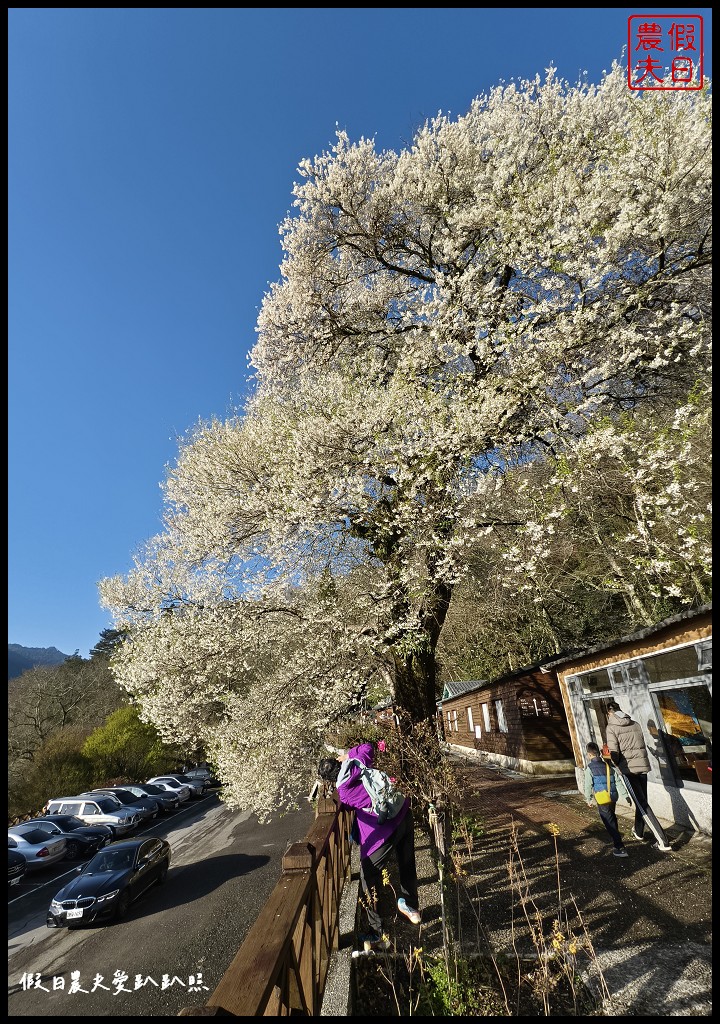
column 20, row 658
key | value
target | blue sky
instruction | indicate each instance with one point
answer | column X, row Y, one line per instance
column 152, row 154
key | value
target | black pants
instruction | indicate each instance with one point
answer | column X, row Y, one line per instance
column 637, row 785
column 402, row 844
column 609, row 820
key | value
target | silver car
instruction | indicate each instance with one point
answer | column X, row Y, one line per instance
column 204, row 775
column 197, row 786
column 170, row 783
column 39, row 848
column 144, row 806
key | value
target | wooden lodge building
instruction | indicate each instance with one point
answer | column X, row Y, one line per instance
column 517, row 721
column 538, row 720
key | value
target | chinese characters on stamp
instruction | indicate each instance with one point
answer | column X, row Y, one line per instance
column 665, row 51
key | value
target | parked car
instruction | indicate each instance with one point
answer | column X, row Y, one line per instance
column 96, row 809
column 16, row 866
column 168, row 801
column 71, row 823
column 144, row 805
column 204, row 774
column 37, row 846
column 197, row 786
column 107, row 885
column 82, row 840
column 170, row 783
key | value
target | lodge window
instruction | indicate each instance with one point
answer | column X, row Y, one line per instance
column 471, row 727
column 684, row 730
column 500, row 716
column 704, row 655
column 678, row 664
column 595, row 682
column 486, row 716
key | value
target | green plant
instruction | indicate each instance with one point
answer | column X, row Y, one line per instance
column 467, row 829
column 461, row 988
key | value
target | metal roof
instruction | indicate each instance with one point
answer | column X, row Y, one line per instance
column 458, row 687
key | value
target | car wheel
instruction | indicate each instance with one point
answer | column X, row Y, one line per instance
column 122, row 904
column 72, row 850
column 163, row 874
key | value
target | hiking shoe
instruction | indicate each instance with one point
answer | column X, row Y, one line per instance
column 412, row 915
column 374, row 943
column 636, row 836
column 662, row 847
column 622, row 852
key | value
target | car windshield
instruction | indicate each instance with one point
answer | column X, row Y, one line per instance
column 154, row 790
column 184, row 778
column 69, row 824
column 47, row 826
column 33, row 835
column 123, row 796
column 108, row 804
column 110, row 860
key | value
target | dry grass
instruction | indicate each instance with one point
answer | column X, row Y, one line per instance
column 544, row 974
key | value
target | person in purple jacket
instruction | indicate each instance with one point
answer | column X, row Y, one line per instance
column 378, row 842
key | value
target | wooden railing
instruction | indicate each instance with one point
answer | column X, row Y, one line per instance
column 281, row 967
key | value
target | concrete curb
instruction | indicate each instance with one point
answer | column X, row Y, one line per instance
column 337, row 997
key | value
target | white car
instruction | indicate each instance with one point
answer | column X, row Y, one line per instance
column 197, row 786
column 170, row 783
column 144, row 806
column 97, row 810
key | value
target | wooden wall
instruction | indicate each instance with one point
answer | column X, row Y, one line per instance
column 537, row 727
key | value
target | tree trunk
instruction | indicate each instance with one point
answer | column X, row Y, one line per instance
column 415, row 670
column 415, row 675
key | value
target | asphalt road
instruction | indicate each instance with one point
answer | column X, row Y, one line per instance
column 176, row 941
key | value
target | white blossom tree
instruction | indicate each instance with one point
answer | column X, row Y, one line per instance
column 637, row 497
column 444, row 314
column 616, row 534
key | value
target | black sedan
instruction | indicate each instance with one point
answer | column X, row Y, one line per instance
column 82, row 840
column 16, row 867
column 110, row 882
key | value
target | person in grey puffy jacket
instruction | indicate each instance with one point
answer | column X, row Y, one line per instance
column 627, row 748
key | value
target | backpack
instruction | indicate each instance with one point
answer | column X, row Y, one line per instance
column 604, row 788
column 386, row 801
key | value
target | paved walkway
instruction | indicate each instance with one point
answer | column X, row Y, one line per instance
column 648, row 916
